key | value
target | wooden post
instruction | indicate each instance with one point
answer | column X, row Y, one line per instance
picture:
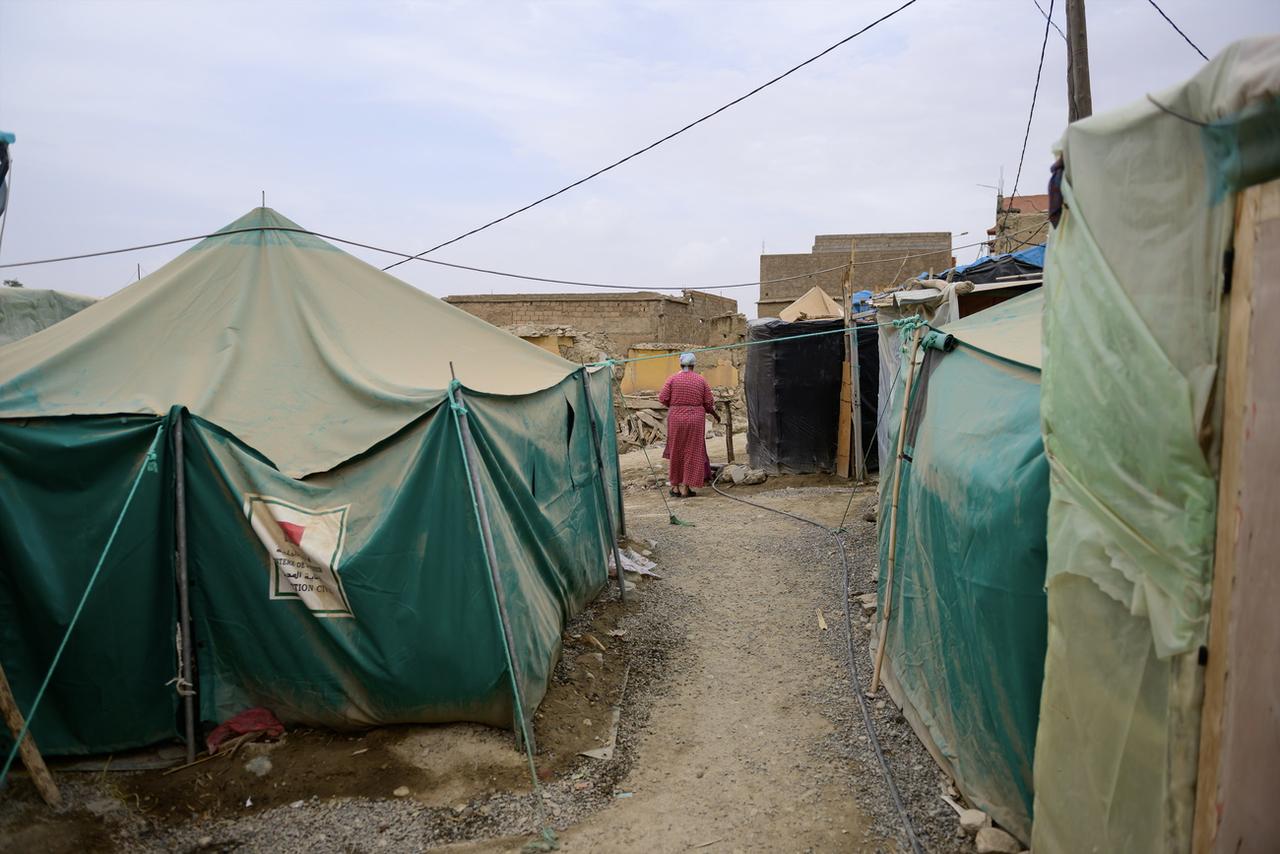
column 845, row 430
column 893, row 512
column 1079, row 93
column 1239, row 761
column 728, row 431
column 30, row 755
column 855, row 413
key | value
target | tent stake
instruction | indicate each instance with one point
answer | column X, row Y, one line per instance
column 186, row 685
column 893, row 514
column 604, row 494
column 522, row 728
column 30, row 754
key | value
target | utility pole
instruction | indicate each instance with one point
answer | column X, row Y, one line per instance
column 1079, row 96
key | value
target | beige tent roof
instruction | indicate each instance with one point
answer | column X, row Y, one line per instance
column 304, row 352
column 813, row 305
column 1010, row 330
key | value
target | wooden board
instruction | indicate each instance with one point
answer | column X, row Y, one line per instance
column 1239, row 762
column 844, row 427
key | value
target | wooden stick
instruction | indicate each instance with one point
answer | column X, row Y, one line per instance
column 27, row 750
column 728, row 431
column 893, row 513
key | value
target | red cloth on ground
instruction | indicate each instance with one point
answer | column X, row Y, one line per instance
column 688, row 399
column 250, row 720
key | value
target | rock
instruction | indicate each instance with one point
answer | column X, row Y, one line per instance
column 259, row 766
column 868, row 603
column 974, row 820
column 737, row 473
column 869, row 516
column 992, row 840
column 401, row 792
column 754, row 476
column 103, row 806
column 588, row 659
column 204, row 841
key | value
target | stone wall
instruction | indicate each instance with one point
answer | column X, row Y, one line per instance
column 880, row 262
column 694, row 318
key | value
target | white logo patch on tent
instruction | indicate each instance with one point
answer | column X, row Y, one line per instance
column 305, row 548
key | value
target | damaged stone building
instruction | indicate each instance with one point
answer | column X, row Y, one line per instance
column 586, row 327
column 880, row 262
column 1021, row 221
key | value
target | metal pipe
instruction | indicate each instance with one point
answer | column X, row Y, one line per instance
column 617, row 459
column 186, row 685
column 522, row 727
column 604, row 495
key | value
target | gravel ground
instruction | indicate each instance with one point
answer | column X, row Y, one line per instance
column 920, row 783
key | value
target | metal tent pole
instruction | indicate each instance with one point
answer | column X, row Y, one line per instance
column 472, row 457
column 186, row 685
column 617, row 459
column 604, row 494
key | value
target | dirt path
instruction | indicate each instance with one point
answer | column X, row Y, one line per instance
column 735, row 755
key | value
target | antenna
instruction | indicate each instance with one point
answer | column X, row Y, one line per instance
column 139, row 272
column 264, row 198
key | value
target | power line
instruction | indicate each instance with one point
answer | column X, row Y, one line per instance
column 655, row 144
column 503, row 273
column 1048, row 19
column 1178, row 29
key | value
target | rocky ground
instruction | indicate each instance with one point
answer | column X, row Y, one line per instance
column 739, row 727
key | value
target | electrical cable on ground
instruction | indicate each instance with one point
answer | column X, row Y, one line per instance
column 856, row 680
column 1048, row 19
column 655, row 144
column 407, row 257
column 1178, row 30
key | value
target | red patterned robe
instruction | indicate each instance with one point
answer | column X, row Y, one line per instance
column 688, row 398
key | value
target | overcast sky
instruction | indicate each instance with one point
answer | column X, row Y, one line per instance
column 404, row 124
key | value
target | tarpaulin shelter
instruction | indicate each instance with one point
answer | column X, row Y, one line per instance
column 1024, row 263
column 793, row 393
column 25, row 311
column 813, row 304
column 938, row 304
column 1135, row 281
column 280, row 419
column 964, row 650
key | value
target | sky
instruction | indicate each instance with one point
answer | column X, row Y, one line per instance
column 404, row 124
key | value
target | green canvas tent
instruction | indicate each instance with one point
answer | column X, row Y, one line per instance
column 339, row 572
column 1135, row 277
column 25, row 311
column 965, row 645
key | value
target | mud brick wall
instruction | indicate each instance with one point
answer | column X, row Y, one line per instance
column 879, row 265
column 628, row 319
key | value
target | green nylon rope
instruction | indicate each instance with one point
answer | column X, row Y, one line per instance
column 548, row 842
column 149, row 465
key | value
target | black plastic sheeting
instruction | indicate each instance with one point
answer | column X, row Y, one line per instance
column 793, row 395
column 994, row 269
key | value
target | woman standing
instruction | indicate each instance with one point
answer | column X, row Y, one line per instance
column 688, row 399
